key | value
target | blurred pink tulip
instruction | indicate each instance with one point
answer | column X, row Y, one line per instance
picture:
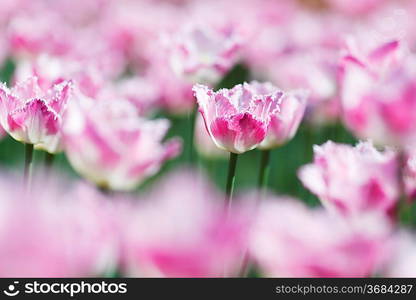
column 312, row 70
column 352, row 180
column 183, row 229
column 283, row 125
column 291, row 240
column 58, row 231
column 293, row 58
column 237, row 119
column 9, row 8
column 282, row 39
column 109, row 144
column 204, row 55
column 379, row 94
column 52, row 70
column 356, row 7
column 138, row 39
column 78, row 12
column 142, row 92
column 174, row 93
column 403, row 260
column 33, row 115
column 32, row 34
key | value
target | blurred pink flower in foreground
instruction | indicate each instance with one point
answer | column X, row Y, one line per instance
column 378, row 94
column 237, row 119
column 356, row 7
column 58, row 231
column 291, row 240
column 352, row 180
column 403, row 261
column 33, row 115
column 204, row 55
column 110, row 145
column 283, row 125
column 184, row 230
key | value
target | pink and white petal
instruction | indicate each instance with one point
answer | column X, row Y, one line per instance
column 33, row 122
column 312, row 178
column 60, row 96
column 238, row 133
column 222, row 135
column 28, row 89
column 251, row 132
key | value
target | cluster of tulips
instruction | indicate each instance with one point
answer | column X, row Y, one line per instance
column 98, row 81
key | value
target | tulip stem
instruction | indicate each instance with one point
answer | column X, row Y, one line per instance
column 264, row 171
column 191, row 122
column 403, row 211
column 49, row 158
column 28, row 162
column 232, row 164
column 262, row 185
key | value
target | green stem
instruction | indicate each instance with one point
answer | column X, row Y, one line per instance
column 261, row 185
column 229, row 190
column 403, row 206
column 49, row 158
column 264, row 171
column 28, row 162
column 191, row 121
column 105, row 190
column 232, row 164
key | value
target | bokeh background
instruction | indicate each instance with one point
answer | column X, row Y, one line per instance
column 281, row 29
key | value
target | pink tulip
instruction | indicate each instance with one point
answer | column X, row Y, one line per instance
column 138, row 39
column 110, row 62
column 204, row 55
column 32, row 34
column 388, row 23
column 52, row 69
column 312, row 70
column 283, row 126
column 291, row 240
column 142, row 92
column 378, row 94
column 351, row 180
column 33, row 115
column 280, row 34
column 293, row 58
column 108, row 143
column 237, row 119
column 174, row 92
column 57, row 231
column 182, row 229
